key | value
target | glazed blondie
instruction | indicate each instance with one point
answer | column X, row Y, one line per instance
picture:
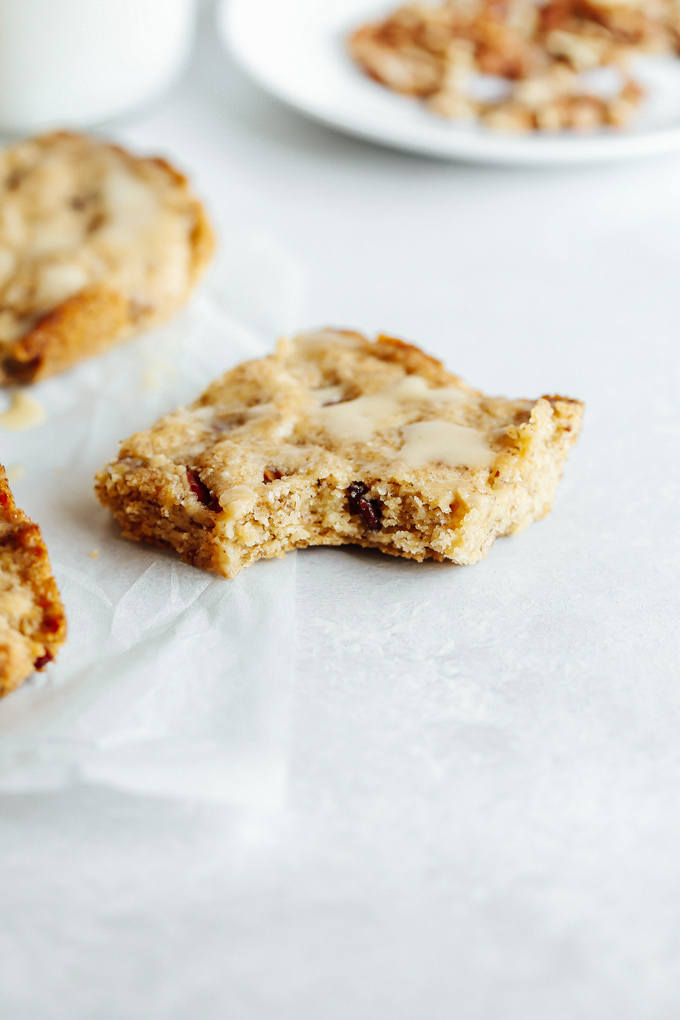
column 335, row 439
column 96, row 244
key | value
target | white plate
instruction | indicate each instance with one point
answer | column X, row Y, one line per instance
column 296, row 50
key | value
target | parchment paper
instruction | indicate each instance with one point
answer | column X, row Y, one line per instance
column 173, row 681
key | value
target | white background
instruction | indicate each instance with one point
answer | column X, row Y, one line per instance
column 479, row 816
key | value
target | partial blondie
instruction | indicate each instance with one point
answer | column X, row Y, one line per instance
column 32, row 621
column 335, row 439
column 96, row 244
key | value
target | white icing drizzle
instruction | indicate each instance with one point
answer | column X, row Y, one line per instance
column 357, row 420
column 58, row 281
column 159, row 373
column 237, row 502
column 328, row 395
column 133, row 207
column 24, row 413
column 15, row 472
column 443, row 442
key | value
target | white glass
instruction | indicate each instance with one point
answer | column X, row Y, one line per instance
column 82, row 62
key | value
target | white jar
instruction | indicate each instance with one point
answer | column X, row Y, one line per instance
column 81, row 62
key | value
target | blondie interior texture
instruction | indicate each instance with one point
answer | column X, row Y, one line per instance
column 32, row 622
column 335, row 439
column 96, row 244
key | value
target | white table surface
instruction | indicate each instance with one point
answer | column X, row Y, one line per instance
column 480, row 813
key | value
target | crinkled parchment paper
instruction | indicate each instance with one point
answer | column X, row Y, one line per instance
column 173, row 681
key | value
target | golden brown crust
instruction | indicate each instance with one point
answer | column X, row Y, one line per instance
column 81, row 326
column 202, row 239
column 132, row 240
column 413, row 359
column 32, row 621
column 335, row 439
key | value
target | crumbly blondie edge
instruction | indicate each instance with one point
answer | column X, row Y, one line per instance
column 32, row 620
